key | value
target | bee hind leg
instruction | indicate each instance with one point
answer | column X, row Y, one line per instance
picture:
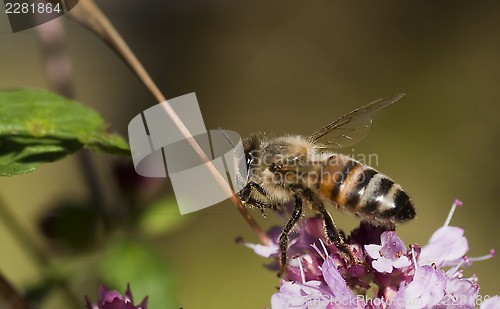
column 331, row 231
column 283, row 239
column 334, row 237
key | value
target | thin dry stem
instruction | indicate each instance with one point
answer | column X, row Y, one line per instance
column 89, row 15
column 10, row 298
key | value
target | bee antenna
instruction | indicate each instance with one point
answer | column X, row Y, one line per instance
column 227, row 137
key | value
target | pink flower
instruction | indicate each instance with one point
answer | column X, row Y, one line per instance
column 459, row 291
column 110, row 299
column 491, row 303
column 299, row 295
column 390, row 254
column 269, row 250
column 335, row 294
column 426, row 290
column 263, row 250
column 337, row 284
column 447, row 246
column 431, row 287
column 319, row 276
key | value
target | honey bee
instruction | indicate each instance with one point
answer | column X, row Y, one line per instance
column 304, row 171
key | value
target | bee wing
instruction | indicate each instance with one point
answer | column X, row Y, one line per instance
column 353, row 127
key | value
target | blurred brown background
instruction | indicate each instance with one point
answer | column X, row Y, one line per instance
column 289, row 67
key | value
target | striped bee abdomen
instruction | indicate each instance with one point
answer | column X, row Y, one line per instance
column 362, row 190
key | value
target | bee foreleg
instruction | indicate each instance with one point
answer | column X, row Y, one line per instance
column 283, row 239
column 245, row 195
column 251, row 202
column 256, row 186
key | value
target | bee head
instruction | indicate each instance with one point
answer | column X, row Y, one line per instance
column 251, row 147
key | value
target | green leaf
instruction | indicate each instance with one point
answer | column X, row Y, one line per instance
column 161, row 217
column 133, row 262
column 37, row 126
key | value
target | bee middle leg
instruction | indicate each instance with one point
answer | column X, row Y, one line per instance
column 283, row 239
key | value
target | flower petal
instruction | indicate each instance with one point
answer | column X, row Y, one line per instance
column 392, row 245
column 445, row 248
column 336, row 283
column 111, row 299
column 403, row 261
column 373, row 251
column 382, row 265
column 425, row 291
column 265, row 251
column 298, row 295
column 461, row 293
column 491, row 303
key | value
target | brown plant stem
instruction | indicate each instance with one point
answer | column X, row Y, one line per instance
column 58, row 68
column 89, row 15
column 10, row 298
column 59, row 74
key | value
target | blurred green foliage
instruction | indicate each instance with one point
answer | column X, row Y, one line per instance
column 161, row 217
column 135, row 263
